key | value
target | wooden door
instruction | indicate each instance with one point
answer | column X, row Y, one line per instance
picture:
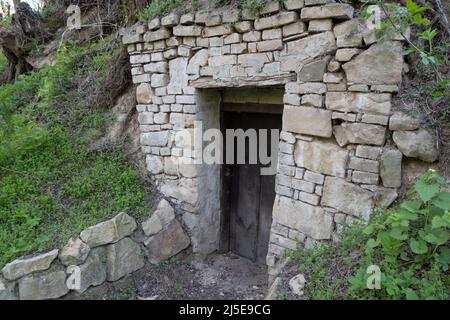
column 247, row 196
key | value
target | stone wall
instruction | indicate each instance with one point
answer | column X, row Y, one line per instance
column 104, row 253
column 342, row 145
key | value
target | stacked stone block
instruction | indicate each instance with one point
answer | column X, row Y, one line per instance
column 336, row 163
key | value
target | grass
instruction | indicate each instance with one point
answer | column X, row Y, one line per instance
column 52, row 185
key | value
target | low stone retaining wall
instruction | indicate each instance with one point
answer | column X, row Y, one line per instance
column 106, row 252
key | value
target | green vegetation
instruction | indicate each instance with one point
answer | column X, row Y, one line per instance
column 159, row 8
column 3, row 63
column 52, row 184
column 408, row 244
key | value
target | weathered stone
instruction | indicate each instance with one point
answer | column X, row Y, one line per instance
column 391, row 168
column 217, row 31
column 306, row 120
column 7, row 290
column 334, row 66
column 313, row 71
column 317, row 2
column 162, row 216
column 380, row 64
column 344, row 55
column 140, row 58
column 230, row 16
column 144, row 93
column 253, row 60
column 23, row 266
column 365, row 177
column 374, row 103
column 311, row 220
column 416, row 144
column 187, row 19
column 93, row 271
column 155, row 139
column 359, row 133
column 294, row 4
column 294, row 29
column 167, row 243
column 348, row 34
column 403, row 122
column 154, row 24
column 109, row 231
column 184, row 190
column 315, row 100
column 320, row 25
column 297, row 284
column 178, row 76
column 347, row 197
column 74, row 253
column 170, row 20
column 375, row 119
column 337, row 11
column 269, row 45
column 306, row 88
column 122, row 258
column 274, row 21
column 336, row 77
column 243, row 26
column 213, row 20
column 161, row 34
column 367, row 152
column 323, row 157
column 383, row 197
column 43, row 286
column 154, row 164
column 364, row 165
column 307, row 48
column 187, row 31
column 159, row 80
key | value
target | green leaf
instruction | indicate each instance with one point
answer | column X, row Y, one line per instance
column 372, row 243
column 418, row 246
column 398, row 234
column 444, row 257
column 437, row 237
column 369, row 230
column 442, row 201
column 411, row 206
column 426, row 191
column 439, row 222
column 411, row 295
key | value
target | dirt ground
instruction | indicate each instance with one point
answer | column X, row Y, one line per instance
column 221, row 276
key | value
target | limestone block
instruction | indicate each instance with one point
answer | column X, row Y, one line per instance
column 187, row 31
column 161, row 34
column 93, row 271
column 313, row 71
column 400, row 121
column 321, row 156
column 274, row 21
column 154, row 164
column 346, row 54
column 364, row 165
column 347, row 197
column 167, row 243
column 348, row 34
column 178, row 75
column 416, row 144
column 23, row 266
column 368, row 152
column 144, row 93
column 109, row 231
column 156, row 139
column 373, row 103
column 306, row 120
column 163, row 215
column 380, row 64
column 311, row 220
column 43, row 286
column 359, row 133
column 217, row 31
column 294, row 4
column 74, row 253
column 320, row 25
column 122, row 258
column 391, row 168
column 337, row 11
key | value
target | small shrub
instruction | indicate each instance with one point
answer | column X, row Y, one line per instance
column 159, row 8
column 408, row 244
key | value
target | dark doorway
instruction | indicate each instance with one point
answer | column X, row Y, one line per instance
column 247, row 197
